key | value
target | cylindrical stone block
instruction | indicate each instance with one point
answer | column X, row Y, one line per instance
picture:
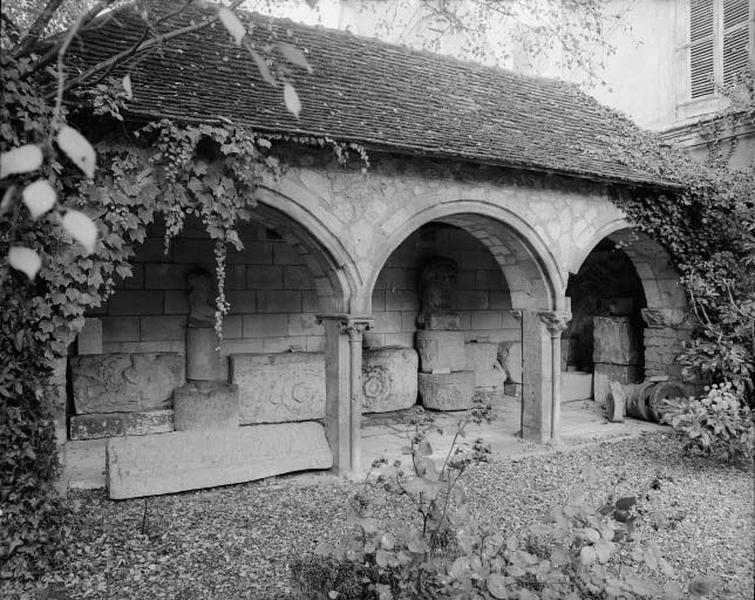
column 389, row 379
column 206, row 405
column 441, row 350
column 447, row 391
column 202, row 359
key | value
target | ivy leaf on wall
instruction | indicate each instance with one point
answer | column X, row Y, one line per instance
column 25, row 260
column 78, row 149
column 39, row 197
column 20, row 160
column 81, row 228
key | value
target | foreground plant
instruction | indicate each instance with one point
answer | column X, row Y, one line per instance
column 586, row 548
column 716, row 421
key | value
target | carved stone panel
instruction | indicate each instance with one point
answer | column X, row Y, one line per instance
column 104, row 383
column 94, row 426
column 389, row 379
column 275, row 388
column 615, row 341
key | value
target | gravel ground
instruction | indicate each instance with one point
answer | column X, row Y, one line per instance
column 235, row 542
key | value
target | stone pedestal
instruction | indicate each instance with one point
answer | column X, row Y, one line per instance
column 206, row 405
column 447, row 391
column 576, row 385
column 202, row 358
column 389, row 379
column 104, row 383
column 441, row 350
column 482, row 359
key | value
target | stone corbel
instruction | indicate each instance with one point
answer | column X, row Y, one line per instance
column 667, row 317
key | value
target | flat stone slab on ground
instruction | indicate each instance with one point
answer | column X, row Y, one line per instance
column 190, row 460
column 95, row 426
column 125, row 382
column 275, row 388
column 389, row 379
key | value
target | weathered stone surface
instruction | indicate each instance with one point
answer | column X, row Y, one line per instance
column 444, row 321
column 605, row 373
column 189, row 460
column 482, row 359
column 615, row 342
column 89, row 340
column 94, row 426
column 123, row 382
column 389, row 379
column 447, row 391
column 576, row 385
column 441, row 350
column 620, row 306
column 616, row 402
column 667, row 317
column 510, row 356
column 202, row 359
column 274, row 388
column 206, row 405
column 438, row 289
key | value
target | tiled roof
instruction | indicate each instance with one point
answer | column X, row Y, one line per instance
column 362, row 90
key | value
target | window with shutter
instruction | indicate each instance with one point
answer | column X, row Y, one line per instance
column 720, row 46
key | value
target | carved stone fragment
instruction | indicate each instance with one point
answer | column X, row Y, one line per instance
column 447, row 391
column 389, row 379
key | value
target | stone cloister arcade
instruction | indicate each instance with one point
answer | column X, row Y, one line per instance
column 330, row 266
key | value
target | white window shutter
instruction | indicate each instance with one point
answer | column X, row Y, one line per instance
column 736, row 40
column 701, row 55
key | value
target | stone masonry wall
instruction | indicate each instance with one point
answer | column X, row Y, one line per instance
column 268, row 285
column 483, row 300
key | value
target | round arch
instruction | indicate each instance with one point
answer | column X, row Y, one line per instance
column 336, row 277
column 529, row 267
column 660, row 281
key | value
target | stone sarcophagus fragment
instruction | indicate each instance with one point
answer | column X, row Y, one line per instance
column 125, row 382
column 389, row 379
column 447, row 391
column 276, row 388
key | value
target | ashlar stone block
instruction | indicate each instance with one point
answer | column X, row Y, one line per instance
column 206, row 405
column 447, row 391
column 103, row 425
column 441, row 350
column 389, row 379
column 123, row 382
column 275, row 388
column 190, row 460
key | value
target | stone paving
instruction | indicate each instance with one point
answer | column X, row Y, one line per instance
column 388, row 434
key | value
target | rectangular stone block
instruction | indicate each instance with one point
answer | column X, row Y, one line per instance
column 89, row 340
column 279, row 301
column 265, row 277
column 275, row 388
column 404, row 300
column 487, row 319
column 446, row 321
column 136, row 302
column 190, row 460
column 162, row 328
column 482, row 359
column 605, row 373
column 297, row 277
column 576, row 385
column 258, row 326
column 104, row 383
column 615, row 342
column 95, row 426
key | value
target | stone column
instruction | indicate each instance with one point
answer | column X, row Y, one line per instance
column 343, row 389
column 556, row 323
column 537, row 378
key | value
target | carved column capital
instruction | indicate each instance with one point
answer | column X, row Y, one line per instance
column 352, row 325
column 555, row 321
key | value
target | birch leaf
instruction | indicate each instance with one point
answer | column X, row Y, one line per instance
column 25, row 260
column 126, row 82
column 81, row 228
column 39, row 197
column 263, row 68
column 232, row 23
column 295, row 56
column 20, row 160
column 291, row 98
column 78, row 149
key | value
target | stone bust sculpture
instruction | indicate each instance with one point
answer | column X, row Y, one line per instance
column 438, row 288
column 199, row 295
